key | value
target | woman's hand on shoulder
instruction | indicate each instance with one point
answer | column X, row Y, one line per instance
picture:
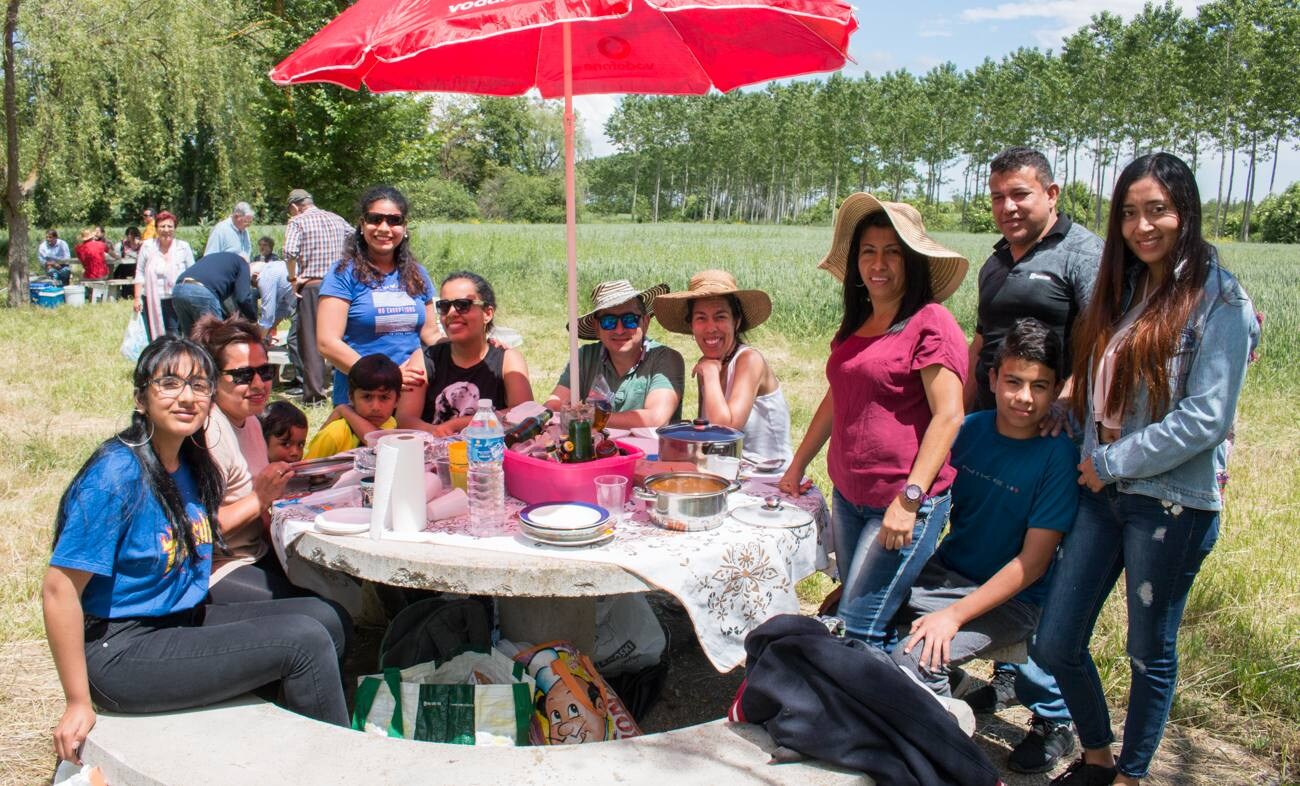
column 413, row 376
column 71, row 731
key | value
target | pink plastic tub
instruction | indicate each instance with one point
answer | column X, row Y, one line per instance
column 533, row 480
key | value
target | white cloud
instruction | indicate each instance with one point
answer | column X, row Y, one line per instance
column 935, row 34
column 1063, row 16
column 593, row 111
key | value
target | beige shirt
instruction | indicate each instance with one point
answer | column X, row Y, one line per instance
column 236, row 451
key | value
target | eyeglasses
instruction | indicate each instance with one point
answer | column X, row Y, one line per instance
column 171, row 386
column 392, row 219
column 631, row 320
column 244, row 374
column 461, row 304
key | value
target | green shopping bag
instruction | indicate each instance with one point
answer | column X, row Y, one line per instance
column 475, row 698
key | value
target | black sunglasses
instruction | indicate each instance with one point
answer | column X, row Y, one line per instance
column 461, row 304
column 631, row 320
column 392, row 219
column 244, row 374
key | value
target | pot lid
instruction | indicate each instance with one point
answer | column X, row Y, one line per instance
column 772, row 512
column 700, row 430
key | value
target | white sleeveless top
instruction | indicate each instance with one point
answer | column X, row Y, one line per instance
column 767, row 431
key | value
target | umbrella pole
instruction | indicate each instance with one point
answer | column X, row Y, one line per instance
column 570, row 217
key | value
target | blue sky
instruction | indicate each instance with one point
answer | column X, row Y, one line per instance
column 920, row 34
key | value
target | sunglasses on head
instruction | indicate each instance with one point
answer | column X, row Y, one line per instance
column 461, row 304
column 631, row 320
column 244, row 374
column 392, row 219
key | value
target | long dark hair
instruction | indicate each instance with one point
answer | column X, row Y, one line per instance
column 163, row 354
column 357, row 254
column 917, row 291
column 1142, row 359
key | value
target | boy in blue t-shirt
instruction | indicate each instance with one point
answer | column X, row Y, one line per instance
column 1014, row 498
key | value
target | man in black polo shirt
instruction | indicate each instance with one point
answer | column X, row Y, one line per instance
column 1043, row 267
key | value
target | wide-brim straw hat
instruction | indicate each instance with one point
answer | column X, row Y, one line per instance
column 670, row 310
column 608, row 294
column 947, row 267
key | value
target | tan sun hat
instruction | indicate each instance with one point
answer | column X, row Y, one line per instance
column 670, row 310
column 608, row 294
column 947, row 267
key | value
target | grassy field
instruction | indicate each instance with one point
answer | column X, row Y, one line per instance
column 66, row 388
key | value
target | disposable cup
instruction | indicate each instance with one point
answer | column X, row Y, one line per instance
column 611, row 494
column 725, row 466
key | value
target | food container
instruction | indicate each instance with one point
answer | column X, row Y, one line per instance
column 687, row 501
column 535, row 480
column 696, row 440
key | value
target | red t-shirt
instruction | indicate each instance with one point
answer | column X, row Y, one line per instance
column 881, row 412
column 91, row 253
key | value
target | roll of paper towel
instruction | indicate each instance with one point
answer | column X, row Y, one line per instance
column 399, row 498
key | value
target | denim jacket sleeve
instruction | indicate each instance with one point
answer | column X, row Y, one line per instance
column 1201, row 419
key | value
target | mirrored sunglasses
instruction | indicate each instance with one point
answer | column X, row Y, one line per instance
column 631, row 320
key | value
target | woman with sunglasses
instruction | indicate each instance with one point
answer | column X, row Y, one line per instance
column 124, row 593
column 1163, row 347
column 467, row 366
column 378, row 299
column 246, row 568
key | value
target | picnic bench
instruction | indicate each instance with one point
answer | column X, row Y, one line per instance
column 253, row 742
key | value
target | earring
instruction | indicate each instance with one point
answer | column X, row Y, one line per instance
column 138, row 444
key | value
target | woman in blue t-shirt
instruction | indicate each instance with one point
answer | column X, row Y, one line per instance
column 124, row 594
column 378, row 299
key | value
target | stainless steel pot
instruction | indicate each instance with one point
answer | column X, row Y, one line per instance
column 687, row 501
column 696, row 440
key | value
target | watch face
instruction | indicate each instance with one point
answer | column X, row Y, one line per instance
column 913, row 493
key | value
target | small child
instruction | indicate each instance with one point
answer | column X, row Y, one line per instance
column 374, row 384
column 285, row 428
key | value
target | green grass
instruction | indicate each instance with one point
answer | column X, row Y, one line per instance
column 66, row 388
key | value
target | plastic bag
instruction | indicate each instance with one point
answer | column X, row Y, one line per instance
column 573, row 703
column 135, row 339
column 628, row 635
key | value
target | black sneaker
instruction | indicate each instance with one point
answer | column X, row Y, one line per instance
column 1082, row 774
column 959, row 682
column 1044, row 745
column 999, row 694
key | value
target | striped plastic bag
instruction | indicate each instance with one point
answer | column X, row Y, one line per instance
column 476, row 698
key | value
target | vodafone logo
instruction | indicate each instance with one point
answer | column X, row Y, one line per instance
column 468, row 4
column 613, row 47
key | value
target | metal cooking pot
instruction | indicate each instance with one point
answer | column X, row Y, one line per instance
column 696, row 440
column 687, row 501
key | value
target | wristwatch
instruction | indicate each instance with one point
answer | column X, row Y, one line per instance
column 913, row 494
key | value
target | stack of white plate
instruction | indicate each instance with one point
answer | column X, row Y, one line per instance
column 566, row 524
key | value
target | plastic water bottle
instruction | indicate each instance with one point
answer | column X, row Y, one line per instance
column 486, row 478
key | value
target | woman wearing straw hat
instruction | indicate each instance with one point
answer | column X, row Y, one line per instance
column 894, row 406
column 737, row 386
column 644, row 377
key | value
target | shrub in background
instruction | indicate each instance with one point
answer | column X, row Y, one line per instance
column 1279, row 216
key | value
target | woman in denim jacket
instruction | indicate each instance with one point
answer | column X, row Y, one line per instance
column 1163, row 346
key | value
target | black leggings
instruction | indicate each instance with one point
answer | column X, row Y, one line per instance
column 215, row 652
column 265, row 580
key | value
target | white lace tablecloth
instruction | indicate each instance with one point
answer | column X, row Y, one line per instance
column 729, row 579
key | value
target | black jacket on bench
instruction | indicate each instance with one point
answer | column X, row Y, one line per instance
column 848, row 704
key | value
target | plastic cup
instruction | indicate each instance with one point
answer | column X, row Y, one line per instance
column 442, row 465
column 368, row 491
column 611, row 494
column 458, row 465
column 725, row 466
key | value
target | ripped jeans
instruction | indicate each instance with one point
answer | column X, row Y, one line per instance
column 1160, row 547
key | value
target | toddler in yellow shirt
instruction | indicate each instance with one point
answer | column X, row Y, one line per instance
column 374, row 384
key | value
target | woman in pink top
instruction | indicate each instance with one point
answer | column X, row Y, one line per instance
column 892, row 410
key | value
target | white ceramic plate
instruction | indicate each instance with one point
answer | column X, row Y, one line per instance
column 563, row 515
column 599, row 540
column 344, row 521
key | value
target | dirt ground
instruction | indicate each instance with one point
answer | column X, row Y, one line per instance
column 31, row 700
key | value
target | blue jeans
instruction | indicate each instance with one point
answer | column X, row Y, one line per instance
column 192, row 300
column 877, row 580
column 1160, row 547
column 1037, row 690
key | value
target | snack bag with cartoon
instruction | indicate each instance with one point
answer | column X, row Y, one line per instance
column 571, row 702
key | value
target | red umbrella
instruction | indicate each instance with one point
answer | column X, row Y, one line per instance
column 571, row 47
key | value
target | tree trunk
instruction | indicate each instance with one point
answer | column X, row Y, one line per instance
column 659, row 173
column 1272, row 178
column 14, row 194
column 1218, row 199
column 636, row 181
column 1232, row 177
column 1250, row 189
